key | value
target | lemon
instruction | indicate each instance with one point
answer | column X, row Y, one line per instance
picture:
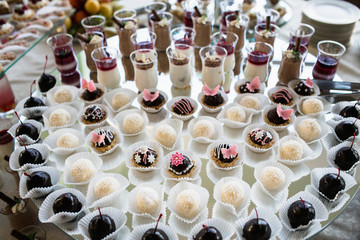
column 67, row 23
column 106, row 10
column 92, row 6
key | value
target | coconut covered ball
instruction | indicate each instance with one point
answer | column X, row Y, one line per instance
column 119, row 100
column 236, row 114
column 204, row 128
column 250, row 102
column 188, row 204
column 291, row 150
column 67, row 140
column 59, row 117
column 133, row 123
column 82, row 170
column 106, row 186
column 309, row 129
column 63, row 95
column 166, row 135
column 272, row 178
column 232, row 193
column 147, row 200
column 312, row 106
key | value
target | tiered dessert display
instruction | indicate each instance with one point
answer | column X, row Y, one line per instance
column 211, row 156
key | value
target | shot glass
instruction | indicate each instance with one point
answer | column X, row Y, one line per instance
column 212, row 58
column 146, row 70
column 183, row 35
column 228, row 41
column 143, row 39
column 95, row 23
column 258, row 57
column 125, row 30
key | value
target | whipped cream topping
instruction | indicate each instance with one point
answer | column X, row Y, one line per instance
column 289, row 54
column 211, row 57
column 163, row 22
column 236, row 23
column 5, row 27
column 39, row 3
column 140, row 57
column 27, row 13
column 96, row 39
column 18, row 207
column 267, row 34
column 129, row 25
column 202, row 20
column 179, row 55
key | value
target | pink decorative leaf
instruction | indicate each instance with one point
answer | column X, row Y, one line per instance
column 150, row 97
column 231, row 152
column 254, row 85
column 176, row 159
column 84, row 83
column 96, row 138
column 210, row 92
column 309, row 83
column 285, row 114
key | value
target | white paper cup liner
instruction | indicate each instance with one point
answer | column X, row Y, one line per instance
column 36, row 111
column 308, row 153
column 50, row 94
column 14, row 157
column 93, row 200
column 300, row 170
column 329, row 141
column 326, row 104
column 285, row 234
column 46, row 214
column 149, row 109
column 117, row 215
column 37, row 192
column 337, row 107
column 51, row 140
column 113, row 159
column 292, row 93
column 169, row 184
column 239, row 149
column 219, row 213
column 112, row 129
column 133, row 209
column 278, row 128
column 98, row 100
column 72, row 112
column 333, row 123
column 218, row 130
column 215, row 174
column 243, row 81
column 264, row 101
column 71, row 228
column 293, row 83
column 214, row 109
column 226, row 230
column 27, row 140
column 119, row 118
column 276, row 193
column 174, row 123
column 254, row 158
column 139, row 231
column 261, row 199
column 139, row 177
column 166, row 174
column 249, row 128
column 109, row 96
column 69, row 162
column 318, row 173
column 138, row 220
column 229, row 207
column 172, row 101
column 98, row 124
column 32, row 112
column 317, row 148
column 321, row 213
column 264, row 213
column 183, row 228
column 180, row 187
column 331, row 155
column 131, row 150
column 323, row 126
column 233, row 124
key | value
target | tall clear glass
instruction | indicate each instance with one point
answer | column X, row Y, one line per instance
column 143, row 39
column 305, row 31
column 188, row 8
column 227, row 8
column 95, row 23
column 203, row 29
column 128, row 28
column 183, row 35
column 266, row 35
column 238, row 24
column 95, row 42
column 162, row 30
column 180, row 64
column 157, row 6
column 212, row 58
column 7, row 100
column 228, row 41
column 258, row 56
column 262, row 14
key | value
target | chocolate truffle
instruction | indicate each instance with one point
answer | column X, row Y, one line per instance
column 204, row 128
column 183, row 107
column 188, row 204
column 309, row 129
column 145, row 157
column 300, row 213
column 236, row 114
column 133, row 123
column 282, row 96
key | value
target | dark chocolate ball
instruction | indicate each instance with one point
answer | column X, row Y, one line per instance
column 208, row 233
column 350, row 111
column 46, row 82
column 27, row 129
column 33, row 102
column 39, row 179
column 100, row 226
column 300, row 213
column 344, row 130
column 346, row 157
column 256, row 229
column 330, row 184
column 67, row 202
column 30, row 155
column 151, row 235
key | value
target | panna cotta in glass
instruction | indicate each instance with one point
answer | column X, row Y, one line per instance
column 180, row 64
column 161, row 25
column 143, row 39
column 106, row 63
column 145, row 65
column 258, row 56
column 213, row 58
column 237, row 24
column 125, row 27
column 228, row 41
column 183, row 35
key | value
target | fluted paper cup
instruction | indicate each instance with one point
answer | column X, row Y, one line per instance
column 176, row 124
column 109, row 96
column 24, row 137
column 172, row 101
column 292, row 103
column 209, row 109
column 263, row 102
column 238, row 161
column 119, row 118
column 14, row 157
column 72, row 112
column 51, row 141
column 277, row 128
column 119, row 140
column 97, row 100
column 226, row 229
column 293, row 83
column 51, row 98
column 323, row 126
column 233, row 124
column 326, row 106
column 139, row 231
column 249, row 128
column 97, row 124
column 337, row 107
column 34, row 111
column 152, row 109
column 331, row 156
column 333, row 123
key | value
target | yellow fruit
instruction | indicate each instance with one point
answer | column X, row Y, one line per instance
column 92, row 6
column 116, row 5
column 106, row 10
column 67, row 23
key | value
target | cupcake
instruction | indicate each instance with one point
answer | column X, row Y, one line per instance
column 152, row 99
column 181, row 166
column 282, row 96
column 225, row 155
column 250, row 87
column 305, row 88
column 212, row 98
column 93, row 114
column 145, row 157
column 260, row 138
column 278, row 116
column 103, row 140
column 91, row 92
column 22, row 13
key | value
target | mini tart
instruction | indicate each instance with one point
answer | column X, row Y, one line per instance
column 256, row 136
column 156, row 104
column 92, row 96
column 219, row 159
column 38, row 4
column 276, row 120
column 184, row 170
column 145, row 153
column 6, row 28
column 282, row 96
column 93, row 114
column 183, row 107
column 108, row 143
column 28, row 15
column 213, row 101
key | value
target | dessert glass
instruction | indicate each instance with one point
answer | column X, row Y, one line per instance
column 162, row 30
column 261, row 16
column 305, row 31
column 180, row 64
column 94, row 23
column 328, row 57
column 142, row 39
column 188, row 8
column 258, row 56
column 183, row 35
column 89, row 47
column 7, row 100
column 228, row 41
column 227, row 8
column 157, row 6
column 24, row 216
column 202, row 26
column 33, row 230
column 127, row 18
column 213, row 58
column 145, row 65
column 106, row 63
column 237, row 24
column 264, row 35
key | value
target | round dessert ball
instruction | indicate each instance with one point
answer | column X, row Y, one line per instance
column 291, row 150
column 147, row 200
column 106, row 186
column 309, row 129
column 236, row 113
column 59, row 117
column 232, row 193
column 166, row 135
column 67, row 140
column 272, row 178
column 119, row 100
column 312, row 106
column 133, row 123
column 63, row 95
column 82, row 170
column 250, row 102
column 188, row 204
column 204, row 128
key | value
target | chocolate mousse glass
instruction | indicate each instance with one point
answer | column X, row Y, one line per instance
column 106, row 63
column 202, row 26
column 180, row 64
column 143, row 39
column 95, row 23
column 264, row 13
column 125, row 28
column 157, row 6
column 37, row 232
column 161, row 27
column 258, row 56
column 237, row 24
column 96, row 41
column 145, row 65
column 213, row 58
column 183, row 35
column 305, row 31
column 228, row 41
column 227, row 8
column 266, row 34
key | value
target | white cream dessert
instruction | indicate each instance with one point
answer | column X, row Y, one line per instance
column 257, row 66
column 146, row 75
column 180, row 67
column 212, row 71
